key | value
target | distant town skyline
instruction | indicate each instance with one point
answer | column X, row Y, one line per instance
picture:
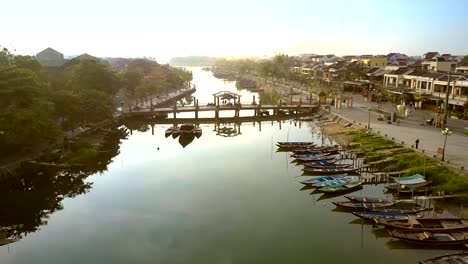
column 236, row 28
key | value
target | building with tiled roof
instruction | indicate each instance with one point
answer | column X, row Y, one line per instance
column 439, row 64
column 462, row 67
column 50, row 58
column 432, row 85
column 430, row 55
column 394, row 57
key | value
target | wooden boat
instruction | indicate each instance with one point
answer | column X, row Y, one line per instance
column 322, row 179
column 366, row 199
column 425, row 224
column 310, row 155
column 361, row 206
column 314, row 150
column 186, row 129
column 412, row 181
column 329, row 166
column 321, row 162
column 175, row 132
column 341, row 188
column 417, row 190
column 291, row 145
column 325, row 171
column 318, row 158
column 396, row 187
column 198, row 132
column 169, row 131
column 408, row 180
column 398, row 210
column 383, row 215
column 431, row 238
column 460, row 258
column 331, row 181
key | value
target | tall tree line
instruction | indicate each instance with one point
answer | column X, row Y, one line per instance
column 37, row 103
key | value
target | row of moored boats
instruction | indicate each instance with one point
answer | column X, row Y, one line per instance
column 401, row 218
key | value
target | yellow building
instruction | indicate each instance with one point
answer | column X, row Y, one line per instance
column 372, row 61
column 377, row 61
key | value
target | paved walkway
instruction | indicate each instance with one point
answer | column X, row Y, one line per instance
column 412, row 128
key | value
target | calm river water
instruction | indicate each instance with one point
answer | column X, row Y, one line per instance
column 224, row 198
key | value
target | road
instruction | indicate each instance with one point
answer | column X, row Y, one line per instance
column 411, row 129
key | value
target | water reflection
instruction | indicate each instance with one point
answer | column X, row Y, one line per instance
column 227, row 129
column 33, row 193
column 186, row 139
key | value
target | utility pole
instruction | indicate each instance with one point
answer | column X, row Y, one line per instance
column 446, row 101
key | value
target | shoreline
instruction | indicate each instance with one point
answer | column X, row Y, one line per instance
column 401, row 159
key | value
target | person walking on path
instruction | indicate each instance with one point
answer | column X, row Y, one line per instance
column 417, row 143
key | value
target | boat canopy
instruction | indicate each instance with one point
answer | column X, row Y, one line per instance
column 414, row 179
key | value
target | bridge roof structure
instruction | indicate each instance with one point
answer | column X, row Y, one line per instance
column 227, row 95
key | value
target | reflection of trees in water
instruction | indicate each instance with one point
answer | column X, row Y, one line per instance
column 27, row 200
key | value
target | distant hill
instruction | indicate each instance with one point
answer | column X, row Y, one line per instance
column 192, row 61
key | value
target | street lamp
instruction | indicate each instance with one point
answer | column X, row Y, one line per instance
column 368, row 122
column 446, row 132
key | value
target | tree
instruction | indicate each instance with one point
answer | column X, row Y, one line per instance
column 26, row 114
column 28, row 62
column 67, row 108
column 131, row 80
column 93, row 75
column 465, row 58
column 23, row 127
column 94, row 106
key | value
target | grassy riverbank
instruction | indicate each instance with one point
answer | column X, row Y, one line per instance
column 396, row 158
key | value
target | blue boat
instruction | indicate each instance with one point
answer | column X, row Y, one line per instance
column 321, row 162
column 326, row 181
column 310, row 155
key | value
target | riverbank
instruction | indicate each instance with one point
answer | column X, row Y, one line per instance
column 389, row 156
column 61, row 150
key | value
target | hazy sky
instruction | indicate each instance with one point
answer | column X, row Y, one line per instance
column 163, row 29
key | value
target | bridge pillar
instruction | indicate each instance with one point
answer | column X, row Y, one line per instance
column 217, row 111
column 175, row 109
column 196, row 108
column 310, row 98
column 253, row 102
column 152, row 129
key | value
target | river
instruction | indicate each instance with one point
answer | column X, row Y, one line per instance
column 227, row 197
